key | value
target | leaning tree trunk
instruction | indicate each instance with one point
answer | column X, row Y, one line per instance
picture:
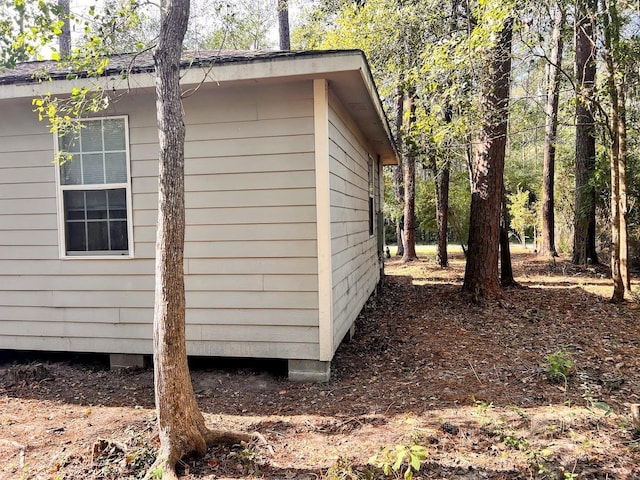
column 181, row 426
column 584, row 233
column 481, row 277
column 547, row 238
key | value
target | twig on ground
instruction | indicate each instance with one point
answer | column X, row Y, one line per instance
column 19, row 446
column 474, row 372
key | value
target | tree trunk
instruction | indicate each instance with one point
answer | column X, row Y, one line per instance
column 442, row 202
column 616, row 86
column 409, row 164
column 614, row 154
column 622, row 179
column 506, row 269
column 584, row 234
column 180, row 423
column 398, row 176
column 409, row 239
column 181, row 426
column 64, row 40
column 442, row 212
column 398, row 183
column 481, row 274
column 547, row 238
column 283, row 24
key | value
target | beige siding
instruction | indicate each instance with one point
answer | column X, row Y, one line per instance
column 354, row 252
column 250, row 253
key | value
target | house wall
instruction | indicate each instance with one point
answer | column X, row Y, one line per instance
column 355, row 259
column 250, row 251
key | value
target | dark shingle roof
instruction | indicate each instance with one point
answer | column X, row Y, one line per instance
column 130, row 63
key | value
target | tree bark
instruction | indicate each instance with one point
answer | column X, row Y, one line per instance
column 506, row 269
column 283, row 25
column 64, row 40
column 584, row 233
column 442, row 213
column 398, row 175
column 622, row 179
column 181, row 426
column 180, row 423
column 614, row 156
column 442, row 202
column 481, row 274
column 409, row 164
column 617, row 151
column 547, row 237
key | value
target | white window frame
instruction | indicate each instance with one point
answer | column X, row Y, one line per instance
column 371, row 189
column 60, row 189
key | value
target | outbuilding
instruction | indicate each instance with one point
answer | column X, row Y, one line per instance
column 283, row 176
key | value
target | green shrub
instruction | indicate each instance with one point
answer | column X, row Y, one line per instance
column 401, row 460
column 558, row 366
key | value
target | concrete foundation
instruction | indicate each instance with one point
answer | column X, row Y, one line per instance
column 125, row 360
column 309, row 371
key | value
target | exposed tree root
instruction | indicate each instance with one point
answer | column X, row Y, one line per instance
column 224, row 437
column 165, row 465
column 161, row 469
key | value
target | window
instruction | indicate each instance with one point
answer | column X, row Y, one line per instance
column 371, row 192
column 94, row 189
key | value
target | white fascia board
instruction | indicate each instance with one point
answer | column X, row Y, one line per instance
column 367, row 80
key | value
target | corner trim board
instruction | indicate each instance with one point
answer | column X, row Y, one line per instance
column 323, row 217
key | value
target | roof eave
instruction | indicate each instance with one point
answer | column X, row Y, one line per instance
column 336, row 66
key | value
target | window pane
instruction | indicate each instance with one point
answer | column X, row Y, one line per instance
column 92, row 168
column 70, row 142
column 119, row 240
column 117, row 202
column 116, row 164
column 74, row 205
column 96, row 204
column 91, row 136
column 76, row 239
column 114, row 138
column 97, row 236
column 71, row 172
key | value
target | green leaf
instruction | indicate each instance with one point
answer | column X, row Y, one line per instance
column 398, row 462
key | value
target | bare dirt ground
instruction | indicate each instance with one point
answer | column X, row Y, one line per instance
column 466, row 381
